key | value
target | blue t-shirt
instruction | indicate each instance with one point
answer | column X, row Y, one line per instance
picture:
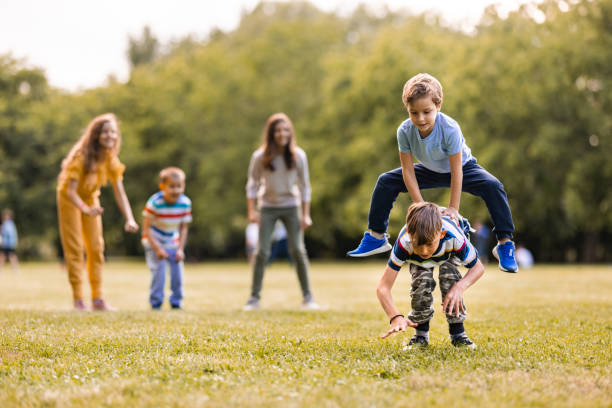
column 444, row 140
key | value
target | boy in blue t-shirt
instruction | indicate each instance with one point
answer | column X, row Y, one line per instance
column 435, row 139
column 8, row 240
column 164, row 235
column 428, row 240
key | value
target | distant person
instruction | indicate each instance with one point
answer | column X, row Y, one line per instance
column 275, row 170
column 251, row 237
column 280, row 245
column 166, row 219
column 524, row 257
column 8, row 235
column 435, row 139
column 429, row 239
column 481, row 239
column 91, row 163
column 279, row 248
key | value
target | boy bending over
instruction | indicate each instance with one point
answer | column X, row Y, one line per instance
column 429, row 239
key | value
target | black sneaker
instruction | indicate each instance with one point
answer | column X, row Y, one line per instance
column 463, row 341
column 176, row 307
column 417, row 342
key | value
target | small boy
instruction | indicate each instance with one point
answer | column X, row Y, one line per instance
column 8, row 238
column 427, row 240
column 164, row 235
column 435, row 139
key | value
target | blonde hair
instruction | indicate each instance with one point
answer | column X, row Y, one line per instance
column 422, row 85
column 171, row 172
column 88, row 144
column 423, row 222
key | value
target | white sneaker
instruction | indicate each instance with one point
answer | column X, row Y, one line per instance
column 251, row 304
column 310, row 304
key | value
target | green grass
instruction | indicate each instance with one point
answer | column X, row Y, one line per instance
column 544, row 339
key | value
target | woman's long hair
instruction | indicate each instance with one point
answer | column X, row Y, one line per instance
column 270, row 147
column 89, row 146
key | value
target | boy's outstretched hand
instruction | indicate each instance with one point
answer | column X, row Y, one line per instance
column 398, row 324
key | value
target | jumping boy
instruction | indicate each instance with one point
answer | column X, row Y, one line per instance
column 435, row 139
column 429, row 239
column 164, row 235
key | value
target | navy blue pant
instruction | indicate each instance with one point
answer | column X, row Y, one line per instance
column 476, row 181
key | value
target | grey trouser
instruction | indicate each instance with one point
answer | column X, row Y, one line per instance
column 423, row 285
column 295, row 237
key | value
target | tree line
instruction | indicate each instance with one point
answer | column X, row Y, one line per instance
column 532, row 96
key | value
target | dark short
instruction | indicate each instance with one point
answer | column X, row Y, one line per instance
column 7, row 251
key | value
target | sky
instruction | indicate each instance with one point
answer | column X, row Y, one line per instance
column 79, row 43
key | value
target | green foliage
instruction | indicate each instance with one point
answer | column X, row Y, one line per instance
column 533, row 100
column 143, row 50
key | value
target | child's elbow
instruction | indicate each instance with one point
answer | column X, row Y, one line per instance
column 382, row 291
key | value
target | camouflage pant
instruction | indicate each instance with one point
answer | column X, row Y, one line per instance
column 423, row 285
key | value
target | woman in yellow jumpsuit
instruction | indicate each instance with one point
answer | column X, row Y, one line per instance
column 91, row 163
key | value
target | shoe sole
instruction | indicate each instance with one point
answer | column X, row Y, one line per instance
column 470, row 347
column 416, row 347
column 250, row 308
column 501, row 268
column 379, row 250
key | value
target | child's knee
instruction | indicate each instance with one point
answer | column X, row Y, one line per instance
column 494, row 185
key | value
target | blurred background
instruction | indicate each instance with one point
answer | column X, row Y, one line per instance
column 531, row 87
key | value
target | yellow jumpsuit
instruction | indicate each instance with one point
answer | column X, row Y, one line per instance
column 79, row 231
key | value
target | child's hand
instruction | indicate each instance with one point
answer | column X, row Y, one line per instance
column 398, row 324
column 451, row 212
column 93, row 211
column 453, row 301
column 306, row 221
column 179, row 256
column 130, row 226
column 161, row 253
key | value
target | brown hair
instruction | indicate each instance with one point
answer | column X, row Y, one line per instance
column 269, row 145
column 423, row 222
column 88, row 145
column 422, row 85
column 171, row 172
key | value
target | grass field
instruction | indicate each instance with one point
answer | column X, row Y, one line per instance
column 544, row 339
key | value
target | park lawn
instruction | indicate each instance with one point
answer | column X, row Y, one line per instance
column 543, row 335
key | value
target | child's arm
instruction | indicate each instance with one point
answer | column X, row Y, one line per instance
column 397, row 321
column 453, row 301
column 146, row 230
column 455, row 186
column 124, row 205
column 410, row 178
column 73, row 196
column 180, row 252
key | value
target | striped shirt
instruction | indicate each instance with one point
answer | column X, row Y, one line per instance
column 166, row 219
column 453, row 243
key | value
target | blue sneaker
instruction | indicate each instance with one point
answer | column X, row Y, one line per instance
column 504, row 253
column 370, row 246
